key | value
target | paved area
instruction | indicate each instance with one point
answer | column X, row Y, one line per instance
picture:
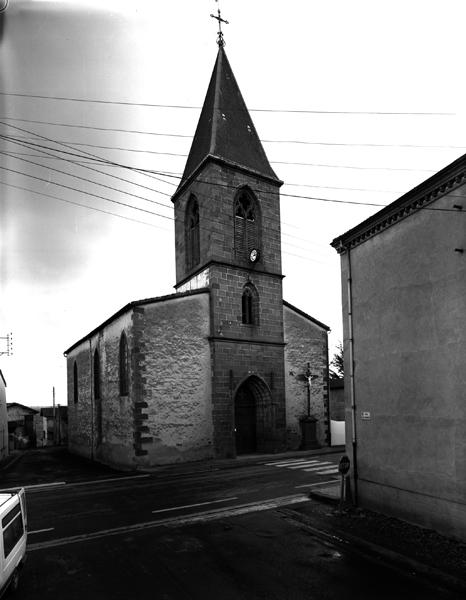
column 405, row 546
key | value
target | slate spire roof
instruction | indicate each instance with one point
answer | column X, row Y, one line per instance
column 225, row 130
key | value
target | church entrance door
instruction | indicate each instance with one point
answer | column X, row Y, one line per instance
column 245, row 420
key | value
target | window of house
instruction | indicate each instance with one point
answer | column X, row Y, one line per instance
column 96, row 375
column 192, row 233
column 123, row 365
column 75, row 382
column 246, row 224
column 250, row 305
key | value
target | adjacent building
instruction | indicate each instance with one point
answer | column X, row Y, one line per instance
column 404, row 307
column 223, row 366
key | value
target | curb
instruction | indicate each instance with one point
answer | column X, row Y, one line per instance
column 399, row 562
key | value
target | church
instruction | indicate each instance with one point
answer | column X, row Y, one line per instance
column 223, row 366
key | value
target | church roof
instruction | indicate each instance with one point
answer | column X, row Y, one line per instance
column 225, row 130
column 131, row 306
column 305, row 315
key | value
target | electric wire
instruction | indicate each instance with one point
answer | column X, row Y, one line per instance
column 106, row 212
column 289, row 195
column 181, row 106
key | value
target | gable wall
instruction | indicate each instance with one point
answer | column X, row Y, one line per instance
column 409, row 335
column 166, row 417
column 174, row 365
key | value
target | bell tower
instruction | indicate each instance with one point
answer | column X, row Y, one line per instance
column 227, row 236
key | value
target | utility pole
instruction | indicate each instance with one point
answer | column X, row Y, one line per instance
column 6, row 347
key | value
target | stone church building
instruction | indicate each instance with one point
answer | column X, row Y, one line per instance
column 224, row 366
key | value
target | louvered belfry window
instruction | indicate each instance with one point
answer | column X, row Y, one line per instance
column 246, row 224
column 192, row 233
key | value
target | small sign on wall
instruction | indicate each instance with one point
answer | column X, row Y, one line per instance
column 366, row 415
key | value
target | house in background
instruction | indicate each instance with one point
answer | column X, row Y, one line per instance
column 57, row 424
column 404, row 306
column 4, row 450
column 26, row 427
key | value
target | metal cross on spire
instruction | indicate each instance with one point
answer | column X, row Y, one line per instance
column 218, row 17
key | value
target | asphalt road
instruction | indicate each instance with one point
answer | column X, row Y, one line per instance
column 209, row 534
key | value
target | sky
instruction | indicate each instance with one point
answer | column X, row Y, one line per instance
column 356, row 103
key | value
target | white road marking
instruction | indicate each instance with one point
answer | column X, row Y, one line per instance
column 322, row 466
column 218, row 513
column 310, row 463
column 193, row 505
column 40, row 530
column 328, row 471
column 306, row 485
column 280, row 463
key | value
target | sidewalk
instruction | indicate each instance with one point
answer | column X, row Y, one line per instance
column 407, row 547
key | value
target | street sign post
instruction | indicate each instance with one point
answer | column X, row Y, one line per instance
column 343, row 468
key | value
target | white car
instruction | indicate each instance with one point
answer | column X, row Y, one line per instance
column 13, row 519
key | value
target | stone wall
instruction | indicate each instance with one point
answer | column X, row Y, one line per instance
column 116, row 443
column 173, row 361
column 215, row 190
column 306, row 342
column 234, row 362
column 166, row 416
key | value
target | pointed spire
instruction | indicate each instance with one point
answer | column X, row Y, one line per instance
column 225, row 130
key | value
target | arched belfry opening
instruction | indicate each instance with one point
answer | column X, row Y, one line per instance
column 254, row 416
column 247, row 223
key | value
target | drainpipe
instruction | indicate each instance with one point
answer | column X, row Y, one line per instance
column 351, row 376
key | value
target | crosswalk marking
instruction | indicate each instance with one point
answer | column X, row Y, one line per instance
column 329, row 471
column 319, row 467
column 311, row 463
column 281, row 463
column 307, row 463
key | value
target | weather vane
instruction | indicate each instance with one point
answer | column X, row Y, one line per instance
column 218, row 17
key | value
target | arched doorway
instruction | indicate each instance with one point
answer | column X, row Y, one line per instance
column 251, row 401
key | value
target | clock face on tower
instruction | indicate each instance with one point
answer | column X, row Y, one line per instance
column 254, row 255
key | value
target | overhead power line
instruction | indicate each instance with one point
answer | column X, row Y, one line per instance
column 181, row 106
column 185, row 136
column 211, row 183
column 94, row 208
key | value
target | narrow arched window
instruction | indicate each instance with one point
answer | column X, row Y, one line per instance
column 246, row 224
column 250, row 305
column 123, row 365
column 75, row 382
column 96, row 375
column 192, row 233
